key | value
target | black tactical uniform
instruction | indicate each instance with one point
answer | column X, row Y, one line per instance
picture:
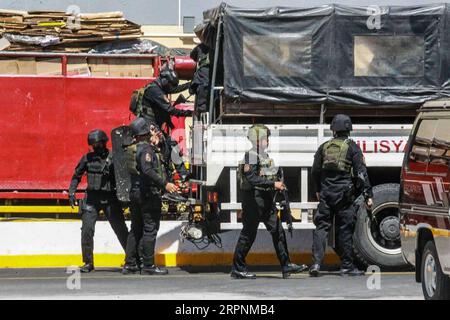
column 139, row 127
column 257, row 183
column 200, row 81
column 152, row 179
column 157, row 107
column 339, row 175
column 100, row 195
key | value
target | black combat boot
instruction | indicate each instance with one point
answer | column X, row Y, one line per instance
column 242, row 275
column 88, row 267
column 290, row 268
column 154, row 270
column 130, row 269
column 351, row 272
column 314, row 271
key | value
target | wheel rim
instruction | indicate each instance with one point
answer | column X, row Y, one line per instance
column 429, row 275
column 382, row 234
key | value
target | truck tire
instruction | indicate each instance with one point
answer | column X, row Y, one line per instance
column 435, row 284
column 378, row 242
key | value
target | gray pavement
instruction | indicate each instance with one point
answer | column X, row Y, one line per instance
column 182, row 284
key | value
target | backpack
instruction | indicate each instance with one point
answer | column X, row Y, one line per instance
column 335, row 155
column 137, row 101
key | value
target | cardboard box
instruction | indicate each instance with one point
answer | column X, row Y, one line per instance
column 99, row 67
column 23, row 66
column 26, row 66
column 96, row 67
column 120, row 67
column 78, row 67
column 53, row 67
column 8, row 66
column 48, row 67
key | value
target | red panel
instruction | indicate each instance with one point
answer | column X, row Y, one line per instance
column 44, row 122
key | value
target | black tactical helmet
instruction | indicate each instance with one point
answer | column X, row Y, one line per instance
column 341, row 122
column 168, row 78
column 258, row 131
column 139, row 127
column 96, row 136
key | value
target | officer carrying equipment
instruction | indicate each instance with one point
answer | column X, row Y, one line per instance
column 338, row 173
column 259, row 179
column 150, row 102
column 100, row 195
column 152, row 180
column 140, row 130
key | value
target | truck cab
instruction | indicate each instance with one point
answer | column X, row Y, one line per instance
column 424, row 199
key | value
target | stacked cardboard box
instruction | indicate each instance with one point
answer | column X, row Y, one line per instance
column 117, row 67
column 59, row 31
column 78, row 66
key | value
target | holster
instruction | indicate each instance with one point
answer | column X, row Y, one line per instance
column 349, row 194
column 81, row 205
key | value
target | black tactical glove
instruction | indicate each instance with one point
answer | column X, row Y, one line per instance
column 72, row 200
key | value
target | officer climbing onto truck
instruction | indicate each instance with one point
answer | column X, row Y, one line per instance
column 100, row 195
column 339, row 175
column 152, row 181
column 151, row 102
column 259, row 180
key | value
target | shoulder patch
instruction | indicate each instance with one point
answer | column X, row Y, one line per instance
column 148, row 157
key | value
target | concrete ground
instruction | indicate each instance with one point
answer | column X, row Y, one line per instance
column 194, row 284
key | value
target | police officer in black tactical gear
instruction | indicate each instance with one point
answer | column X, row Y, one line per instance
column 200, row 81
column 152, row 180
column 157, row 107
column 100, row 195
column 140, row 129
column 259, row 179
column 339, row 175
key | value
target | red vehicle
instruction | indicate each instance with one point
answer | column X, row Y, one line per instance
column 48, row 104
column 424, row 200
